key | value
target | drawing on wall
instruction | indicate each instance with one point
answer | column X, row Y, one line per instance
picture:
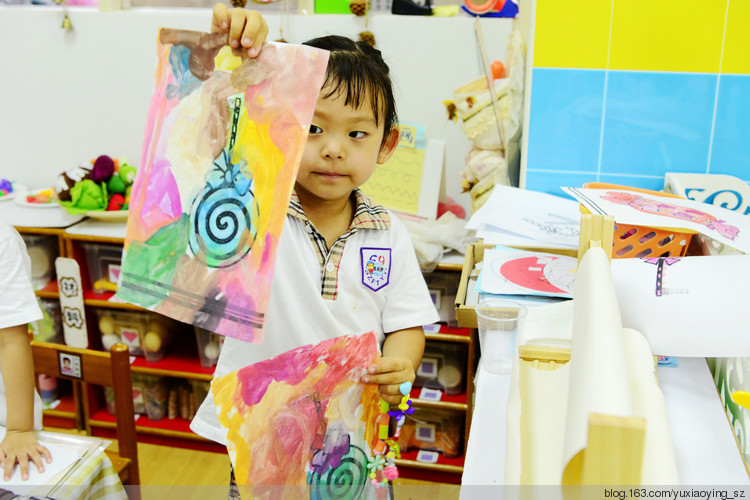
column 517, row 272
column 223, row 141
column 303, row 418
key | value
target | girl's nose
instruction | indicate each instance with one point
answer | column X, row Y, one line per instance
column 332, row 150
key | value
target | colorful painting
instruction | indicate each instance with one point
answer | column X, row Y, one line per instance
column 628, row 206
column 224, row 137
column 303, row 418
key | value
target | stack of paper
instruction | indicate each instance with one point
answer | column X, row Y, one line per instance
column 521, row 217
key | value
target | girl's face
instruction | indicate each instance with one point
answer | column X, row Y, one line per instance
column 342, row 149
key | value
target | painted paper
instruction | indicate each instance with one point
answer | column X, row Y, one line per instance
column 518, row 272
column 641, row 209
column 303, row 418
column 224, row 137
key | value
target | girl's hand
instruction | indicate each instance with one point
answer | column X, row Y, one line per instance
column 389, row 374
column 20, row 447
column 246, row 28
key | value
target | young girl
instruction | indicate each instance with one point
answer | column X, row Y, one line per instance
column 20, row 406
column 344, row 264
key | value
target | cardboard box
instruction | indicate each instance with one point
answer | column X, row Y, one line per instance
column 465, row 314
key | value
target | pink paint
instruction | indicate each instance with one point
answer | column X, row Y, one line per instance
column 293, row 366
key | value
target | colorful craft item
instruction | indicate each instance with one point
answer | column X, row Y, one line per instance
column 382, row 466
column 103, row 184
column 41, row 197
column 6, row 187
column 103, row 169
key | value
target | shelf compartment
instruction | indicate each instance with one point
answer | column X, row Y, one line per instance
column 448, row 401
column 451, row 465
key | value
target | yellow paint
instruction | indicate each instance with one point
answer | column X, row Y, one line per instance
column 254, row 141
column 737, row 41
column 741, row 398
column 572, row 35
column 667, row 35
column 225, row 60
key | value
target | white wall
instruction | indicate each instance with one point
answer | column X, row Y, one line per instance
column 67, row 97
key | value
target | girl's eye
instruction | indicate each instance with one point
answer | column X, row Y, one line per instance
column 314, row 129
column 358, row 134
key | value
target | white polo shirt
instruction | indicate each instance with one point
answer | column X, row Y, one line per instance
column 18, row 305
column 369, row 281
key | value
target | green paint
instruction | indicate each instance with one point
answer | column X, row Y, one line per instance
column 155, row 260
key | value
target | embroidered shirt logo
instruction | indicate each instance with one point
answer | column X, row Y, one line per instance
column 376, row 267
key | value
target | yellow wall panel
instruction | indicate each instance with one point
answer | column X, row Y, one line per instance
column 737, row 41
column 667, row 35
column 572, row 34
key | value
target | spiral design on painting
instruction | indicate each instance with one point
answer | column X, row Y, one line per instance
column 347, row 481
column 224, row 226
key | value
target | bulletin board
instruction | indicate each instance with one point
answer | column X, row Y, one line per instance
column 623, row 91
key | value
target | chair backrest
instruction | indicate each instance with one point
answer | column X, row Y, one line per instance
column 110, row 369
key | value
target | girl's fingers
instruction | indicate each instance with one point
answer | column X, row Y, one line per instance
column 220, row 18
column 236, row 26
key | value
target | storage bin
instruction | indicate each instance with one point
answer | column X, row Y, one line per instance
column 128, row 327
column 209, row 346
column 433, row 429
column 200, row 391
column 49, row 328
column 103, row 264
column 443, row 367
column 630, row 241
column 42, row 250
column 139, row 389
column 155, row 392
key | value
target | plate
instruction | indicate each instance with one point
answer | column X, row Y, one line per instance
column 21, row 193
column 108, row 215
column 12, row 194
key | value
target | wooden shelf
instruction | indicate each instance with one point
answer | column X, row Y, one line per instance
column 450, row 334
column 451, row 465
column 49, row 292
column 181, row 360
column 93, row 299
column 177, row 427
column 448, row 401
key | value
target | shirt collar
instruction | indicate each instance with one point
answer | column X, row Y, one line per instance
column 367, row 214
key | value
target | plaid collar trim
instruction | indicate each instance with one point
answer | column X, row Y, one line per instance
column 367, row 215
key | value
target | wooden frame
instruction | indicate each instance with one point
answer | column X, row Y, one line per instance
column 110, row 369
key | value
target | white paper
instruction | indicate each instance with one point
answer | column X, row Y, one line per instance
column 541, row 217
column 62, row 458
column 598, row 369
column 518, row 272
column 700, row 306
column 641, row 209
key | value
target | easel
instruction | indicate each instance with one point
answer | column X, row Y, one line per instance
column 614, row 452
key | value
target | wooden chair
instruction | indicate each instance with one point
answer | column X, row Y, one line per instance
column 110, row 369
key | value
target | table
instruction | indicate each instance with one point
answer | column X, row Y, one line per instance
column 91, row 476
column 704, row 445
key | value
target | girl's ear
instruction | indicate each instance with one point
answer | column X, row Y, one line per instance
column 389, row 145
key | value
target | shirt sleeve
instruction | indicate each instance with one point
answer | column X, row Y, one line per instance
column 18, row 305
column 408, row 303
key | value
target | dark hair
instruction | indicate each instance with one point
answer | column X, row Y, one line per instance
column 357, row 70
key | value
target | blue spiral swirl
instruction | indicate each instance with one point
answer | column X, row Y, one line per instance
column 347, row 481
column 224, row 226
